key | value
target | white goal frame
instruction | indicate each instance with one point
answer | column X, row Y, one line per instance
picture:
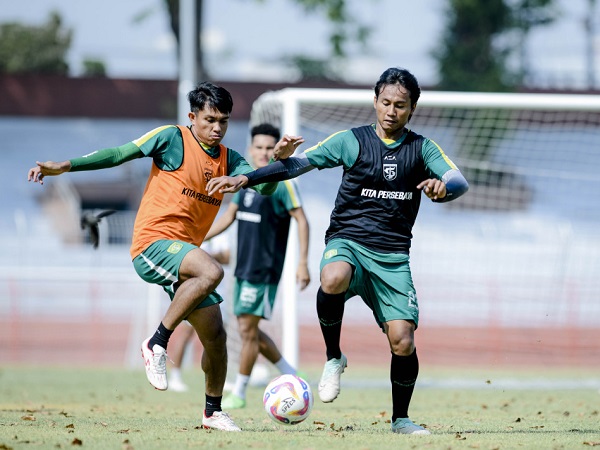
column 291, row 100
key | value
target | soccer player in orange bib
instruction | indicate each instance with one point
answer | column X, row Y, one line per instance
column 175, row 214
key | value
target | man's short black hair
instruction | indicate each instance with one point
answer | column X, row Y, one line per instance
column 403, row 77
column 266, row 128
column 211, row 95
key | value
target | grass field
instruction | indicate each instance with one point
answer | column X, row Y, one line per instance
column 117, row 409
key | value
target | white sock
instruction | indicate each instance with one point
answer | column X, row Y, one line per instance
column 284, row 367
column 175, row 374
column 241, row 382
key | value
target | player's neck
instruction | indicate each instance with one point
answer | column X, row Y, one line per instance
column 383, row 135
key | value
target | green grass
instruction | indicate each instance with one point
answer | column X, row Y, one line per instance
column 117, row 409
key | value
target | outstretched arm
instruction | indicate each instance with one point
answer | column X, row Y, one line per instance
column 101, row 159
column 284, row 169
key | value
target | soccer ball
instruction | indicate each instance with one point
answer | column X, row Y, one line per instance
column 288, row 399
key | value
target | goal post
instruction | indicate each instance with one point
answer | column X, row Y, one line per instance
column 525, row 157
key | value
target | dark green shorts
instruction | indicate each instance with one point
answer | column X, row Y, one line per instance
column 256, row 299
column 382, row 280
column 159, row 264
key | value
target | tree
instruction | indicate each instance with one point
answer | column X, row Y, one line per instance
column 474, row 56
column 477, row 44
column 468, row 58
column 31, row 49
column 345, row 30
column 94, row 68
column 529, row 14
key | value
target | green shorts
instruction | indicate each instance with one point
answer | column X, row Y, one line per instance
column 382, row 280
column 256, row 299
column 159, row 264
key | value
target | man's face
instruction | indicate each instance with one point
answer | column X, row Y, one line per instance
column 261, row 149
column 209, row 125
column 393, row 108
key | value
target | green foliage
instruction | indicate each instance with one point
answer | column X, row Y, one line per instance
column 94, row 68
column 31, row 49
column 312, row 69
column 346, row 28
column 528, row 14
column 346, row 31
column 476, row 43
column 468, row 59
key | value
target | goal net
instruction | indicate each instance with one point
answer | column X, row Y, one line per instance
column 513, row 264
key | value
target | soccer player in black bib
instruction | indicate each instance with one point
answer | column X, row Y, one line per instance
column 386, row 168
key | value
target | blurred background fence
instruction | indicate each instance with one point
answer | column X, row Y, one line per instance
column 505, row 276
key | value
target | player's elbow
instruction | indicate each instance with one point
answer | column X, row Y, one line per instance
column 461, row 188
column 456, row 187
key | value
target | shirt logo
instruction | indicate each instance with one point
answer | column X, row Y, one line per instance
column 201, row 197
column 412, row 300
column 390, row 171
column 248, row 198
column 330, row 253
column 248, row 296
column 175, row 247
column 207, row 175
column 248, row 217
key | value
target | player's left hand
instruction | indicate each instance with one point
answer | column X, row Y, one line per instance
column 226, row 184
column 433, row 188
column 286, row 147
column 302, row 276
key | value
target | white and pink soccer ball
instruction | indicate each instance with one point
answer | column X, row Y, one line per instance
column 288, row 399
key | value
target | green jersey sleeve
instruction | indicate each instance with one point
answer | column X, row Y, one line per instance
column 237, row 165
column 339, row 149
column 287, row 197
column 436, row 161
column 105, row 158
column 163, row 144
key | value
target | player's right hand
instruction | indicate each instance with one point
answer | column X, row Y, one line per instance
column 286, row 147
column 48, row 168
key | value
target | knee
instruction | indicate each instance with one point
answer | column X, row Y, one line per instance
column 330, row 286
column 402, row 346
column 213, row 337
column 334, row 281
column 216, row 274
column 248, row 332
column 217, row 339
column 402, row 341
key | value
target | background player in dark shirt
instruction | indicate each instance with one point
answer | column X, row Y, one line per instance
column 263, row 229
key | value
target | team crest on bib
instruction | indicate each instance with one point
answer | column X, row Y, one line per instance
column 390, row 171
column 249, row 198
